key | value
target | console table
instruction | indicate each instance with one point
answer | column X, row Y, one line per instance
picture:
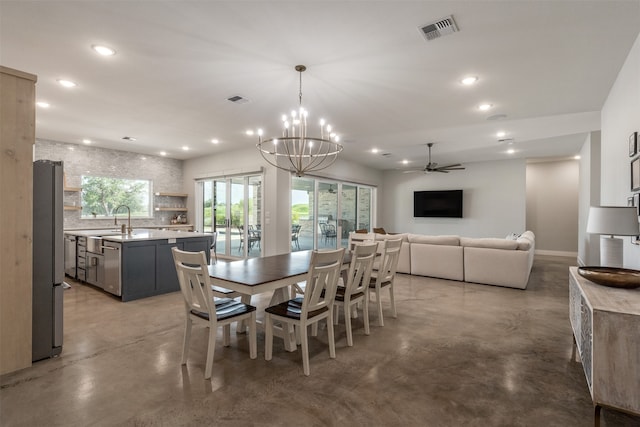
column 606, row 328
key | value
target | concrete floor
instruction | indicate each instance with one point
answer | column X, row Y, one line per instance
column 457, row 355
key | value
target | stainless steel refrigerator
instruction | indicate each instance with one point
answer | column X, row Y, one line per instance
column 48, row 258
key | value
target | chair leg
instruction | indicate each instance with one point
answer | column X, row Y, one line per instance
column 253, row 342
column 336, row 314
column 210, row 352
column 379, row 303
column 347, row 324
column 185, row 342
column 241, row 326
column 365, row 314
column 331, row 337
column 226, row 335
column 305, row 348
column 394, row 313
column 268, row 336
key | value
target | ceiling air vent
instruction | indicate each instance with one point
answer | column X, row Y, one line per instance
column 439, row 28
column 237, row 99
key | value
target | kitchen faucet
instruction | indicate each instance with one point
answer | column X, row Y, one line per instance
column 129, row 229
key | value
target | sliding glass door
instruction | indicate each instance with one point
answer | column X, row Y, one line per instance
column 232, row 207
column 324, row 212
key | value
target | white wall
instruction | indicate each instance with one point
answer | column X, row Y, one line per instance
column 493, row 197
column 588, row 253
column 620, row 117
column 552, row 206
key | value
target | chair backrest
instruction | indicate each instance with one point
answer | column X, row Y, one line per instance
column 215, row 239
column 360, row 268
column 331, row 229
column 322, row 280
column 389, row 263
column 195, row 283
column 323, row 228
column 295, row 231
column 358, row 238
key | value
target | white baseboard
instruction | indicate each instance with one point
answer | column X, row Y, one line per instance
column 557, row 253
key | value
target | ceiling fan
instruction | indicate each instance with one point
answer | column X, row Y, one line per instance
column 433, row 167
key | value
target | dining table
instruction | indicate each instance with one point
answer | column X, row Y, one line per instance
column 253, row 276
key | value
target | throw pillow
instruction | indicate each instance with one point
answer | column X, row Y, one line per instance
column 513, row 236
column 379, row 230
column 362, row 231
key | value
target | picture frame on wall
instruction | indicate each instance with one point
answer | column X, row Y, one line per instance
column 635, row 202
column 635, row 175
column 633, row 144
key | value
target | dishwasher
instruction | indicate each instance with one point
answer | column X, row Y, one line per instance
column 112, row 267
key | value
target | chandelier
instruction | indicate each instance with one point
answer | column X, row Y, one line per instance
column 295, row 151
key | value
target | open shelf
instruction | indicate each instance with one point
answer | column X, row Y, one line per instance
column 159, row 193
column 72, row 208
column 73, row 189
column 172, row 209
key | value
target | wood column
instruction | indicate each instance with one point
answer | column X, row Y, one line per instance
column 17, row 139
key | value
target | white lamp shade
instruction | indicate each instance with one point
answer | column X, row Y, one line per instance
column 613, row 220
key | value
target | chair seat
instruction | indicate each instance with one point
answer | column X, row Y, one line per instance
column 225, row 309
column 340, row 294
column 292, row 309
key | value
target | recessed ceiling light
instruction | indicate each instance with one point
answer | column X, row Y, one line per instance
column 405, row 161
column 249, row 132
column 214, row 141
column 511, row 151
column 71, row 148
column 143, row 158
column 484, row 107
column 163, row 153
column 501, row 134
column 43, row 104
column 374, row 150
column 128, row 138
column 185, row 148
column 67, row 83
column 467, row 81
column 103, row 50
column 86, row 141
column 577, row 157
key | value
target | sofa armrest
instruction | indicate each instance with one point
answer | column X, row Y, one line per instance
column 502, row 267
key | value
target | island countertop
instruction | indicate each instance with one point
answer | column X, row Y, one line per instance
column 149, row 234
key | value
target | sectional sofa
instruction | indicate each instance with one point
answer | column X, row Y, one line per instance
column 492, row 261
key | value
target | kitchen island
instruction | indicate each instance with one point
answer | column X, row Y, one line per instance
column 140, row 264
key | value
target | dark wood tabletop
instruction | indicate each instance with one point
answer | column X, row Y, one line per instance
column 255, row 275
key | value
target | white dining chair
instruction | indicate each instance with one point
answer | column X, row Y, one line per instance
column 385, row 275
column 295, row 315
column 355, row 290
column 201, row 307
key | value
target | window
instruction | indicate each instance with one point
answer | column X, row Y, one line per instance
column 102, row 195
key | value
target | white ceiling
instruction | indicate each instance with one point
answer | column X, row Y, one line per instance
column 548, row 66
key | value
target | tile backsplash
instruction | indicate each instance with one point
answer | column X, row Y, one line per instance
column 165, row 175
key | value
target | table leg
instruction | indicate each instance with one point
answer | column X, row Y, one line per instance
column 596, row 415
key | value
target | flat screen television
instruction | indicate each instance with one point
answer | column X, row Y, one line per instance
column 437, row 204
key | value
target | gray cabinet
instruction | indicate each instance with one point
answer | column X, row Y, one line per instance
column 606, row 328
column 148, row 268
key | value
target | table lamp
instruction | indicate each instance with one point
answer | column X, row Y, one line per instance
column 612, row 221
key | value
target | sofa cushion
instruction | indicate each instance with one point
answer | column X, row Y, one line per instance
column 434, row 240
column 401, row 236
column 489, row 242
